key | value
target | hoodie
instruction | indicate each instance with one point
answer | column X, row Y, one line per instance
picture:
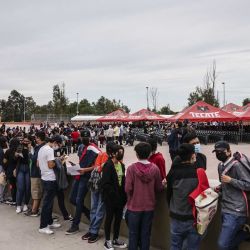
column 143, row 180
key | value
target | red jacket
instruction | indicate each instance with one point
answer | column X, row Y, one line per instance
column 142, row 182
column 159, row 161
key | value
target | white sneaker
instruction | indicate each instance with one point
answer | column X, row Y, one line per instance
column 45, row 230
column 25, row 208
column 18, row 209
column 54, row 225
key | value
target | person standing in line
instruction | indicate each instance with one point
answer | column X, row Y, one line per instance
column 35, row 176
column 143, row 181
column 46, row 163
column 235, row 181
column 112, row 187
column 181, row 181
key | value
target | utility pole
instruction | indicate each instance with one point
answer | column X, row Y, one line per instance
column 77, row 111
column 224, row 98
column 147, row 99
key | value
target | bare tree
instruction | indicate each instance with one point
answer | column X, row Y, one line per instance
column 213, row 75
column 154, row 97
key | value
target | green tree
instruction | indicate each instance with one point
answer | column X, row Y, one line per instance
column 165, row 110
column 60, row 101
column 245, row 101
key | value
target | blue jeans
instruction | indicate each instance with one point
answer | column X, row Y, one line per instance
column 184, row 230
column 81, row 193
column 139, row 224
column 23, row 185
column 50, row 189
column 96, row 213
column 231, row 234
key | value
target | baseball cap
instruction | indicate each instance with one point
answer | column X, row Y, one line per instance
column 85, row 133
column 57, row 138
column 221, row 146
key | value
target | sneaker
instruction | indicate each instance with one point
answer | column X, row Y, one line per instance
column 86, row 236
column 54, row 225
column 45, row 230
column 55, row 218
column 108, row 245
column 25, row 208
column 72, row 230
column 18, row 209
column 69, row 218
column 12, row 203
column 31, row 213
column 119, row 244
column 93, row 238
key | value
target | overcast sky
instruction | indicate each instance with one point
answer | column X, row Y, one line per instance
column 117, row 48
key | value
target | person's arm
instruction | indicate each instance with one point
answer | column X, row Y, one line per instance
column 129, row 181
column 169, row 186
column 51, row 158
column 158, row 181
column 241, row 180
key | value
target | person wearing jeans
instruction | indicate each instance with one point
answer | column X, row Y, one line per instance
column 181, row 181
column 235, row 181
column 46, row 163
column 23, row 188
column 87, row 159
column 143, row 181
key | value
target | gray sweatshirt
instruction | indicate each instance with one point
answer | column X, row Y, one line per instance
column 234, row 200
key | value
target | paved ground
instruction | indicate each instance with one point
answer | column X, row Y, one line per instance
column 18, row 232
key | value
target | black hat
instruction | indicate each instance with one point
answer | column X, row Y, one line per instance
column 85, row 133
column 56, row 138
column 221, row 146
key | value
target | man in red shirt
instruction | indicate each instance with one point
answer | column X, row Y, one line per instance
column 157, row 158
column 75, row 135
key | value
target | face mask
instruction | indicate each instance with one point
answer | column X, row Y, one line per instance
column 55, row 148
column 221, row 156
column 197, row 148
column 119, row 156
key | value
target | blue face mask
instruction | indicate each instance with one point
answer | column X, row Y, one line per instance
column 197, row 148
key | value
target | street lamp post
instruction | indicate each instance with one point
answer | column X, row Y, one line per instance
column 24, row 109
column 224, row 98
column 147, row 99
column 77, row 111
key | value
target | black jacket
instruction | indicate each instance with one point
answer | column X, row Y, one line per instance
column 112, row 194
column 182, row 180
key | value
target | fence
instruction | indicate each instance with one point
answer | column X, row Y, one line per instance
column 50, row 117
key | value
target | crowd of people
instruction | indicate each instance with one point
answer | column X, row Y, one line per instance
column 34, row 164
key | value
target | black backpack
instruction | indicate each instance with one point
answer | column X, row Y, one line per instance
column 61, row 176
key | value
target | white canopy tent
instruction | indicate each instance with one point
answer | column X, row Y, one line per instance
column 79, row 118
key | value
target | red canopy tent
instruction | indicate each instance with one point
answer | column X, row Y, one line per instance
column 116, row 116
column 231, row 107
column 245, row 116
column 203, row 112
column 144, row 115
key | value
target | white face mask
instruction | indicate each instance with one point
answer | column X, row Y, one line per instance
column 197, row 148
column 55, row 147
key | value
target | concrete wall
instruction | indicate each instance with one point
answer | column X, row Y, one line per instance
column 161, row 230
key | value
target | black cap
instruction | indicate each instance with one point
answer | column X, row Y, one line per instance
column 221, row 146
column 85, row 133
column 56, row 138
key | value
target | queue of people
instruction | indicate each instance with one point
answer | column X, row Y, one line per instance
column 118, row 191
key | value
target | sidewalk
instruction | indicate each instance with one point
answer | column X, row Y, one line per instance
column 19, row 232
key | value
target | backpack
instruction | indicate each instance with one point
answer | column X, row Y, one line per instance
column 61, row 176
column 204, row 201
column 244, row 161
column 96, row 174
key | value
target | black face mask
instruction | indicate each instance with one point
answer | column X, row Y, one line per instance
column 221, row 156
column 119, row 156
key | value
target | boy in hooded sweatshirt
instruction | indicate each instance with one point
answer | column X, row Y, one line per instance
column 143, row 180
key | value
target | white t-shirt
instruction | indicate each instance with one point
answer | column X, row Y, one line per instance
column 45, row 154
